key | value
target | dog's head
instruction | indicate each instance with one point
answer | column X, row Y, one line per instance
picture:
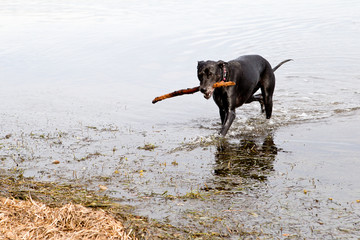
column 209, row 72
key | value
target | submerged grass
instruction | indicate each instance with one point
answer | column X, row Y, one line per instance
column 148, row 147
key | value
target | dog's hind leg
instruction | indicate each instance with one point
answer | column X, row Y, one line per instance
column 268, row 106
column 259, row 98
column 267, row 90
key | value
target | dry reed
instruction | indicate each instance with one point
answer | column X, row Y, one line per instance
column 34, row 220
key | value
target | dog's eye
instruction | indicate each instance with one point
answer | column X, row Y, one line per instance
column 207, row 71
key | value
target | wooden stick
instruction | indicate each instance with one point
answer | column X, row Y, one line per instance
column 190, row 91
column 223, row 84
column 177, row 93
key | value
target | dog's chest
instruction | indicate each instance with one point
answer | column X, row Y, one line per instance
column 221, row 97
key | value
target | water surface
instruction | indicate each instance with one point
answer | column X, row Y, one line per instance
column 77, row 80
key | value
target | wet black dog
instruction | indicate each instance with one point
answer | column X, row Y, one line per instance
column 250, row 73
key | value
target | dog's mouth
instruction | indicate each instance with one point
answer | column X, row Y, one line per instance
column 209, row 93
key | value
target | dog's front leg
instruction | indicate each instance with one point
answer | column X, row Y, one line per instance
column 230, row 116
column 223, row 116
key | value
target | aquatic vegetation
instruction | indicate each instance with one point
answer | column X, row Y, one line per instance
column 148, row 147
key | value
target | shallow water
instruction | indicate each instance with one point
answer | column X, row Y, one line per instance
column 78, row 80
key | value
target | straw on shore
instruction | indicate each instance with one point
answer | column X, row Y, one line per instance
column 34, row 220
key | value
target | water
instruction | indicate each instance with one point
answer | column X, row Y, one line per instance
column 77, row 80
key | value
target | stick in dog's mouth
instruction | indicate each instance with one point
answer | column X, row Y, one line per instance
column 207, row 95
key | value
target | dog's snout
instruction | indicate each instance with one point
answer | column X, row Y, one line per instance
column 203, row 90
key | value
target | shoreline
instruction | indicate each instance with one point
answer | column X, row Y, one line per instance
column 310, row 163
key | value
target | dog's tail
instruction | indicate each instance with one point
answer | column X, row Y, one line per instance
column 285, row 61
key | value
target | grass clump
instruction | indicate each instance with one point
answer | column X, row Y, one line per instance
column 34, row 220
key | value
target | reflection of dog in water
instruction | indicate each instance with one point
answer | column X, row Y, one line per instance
column 247, row 159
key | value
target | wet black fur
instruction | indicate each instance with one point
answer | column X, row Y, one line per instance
column 250, row 73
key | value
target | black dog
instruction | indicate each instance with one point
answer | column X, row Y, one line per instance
column 250, row 73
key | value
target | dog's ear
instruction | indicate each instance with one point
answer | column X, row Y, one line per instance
column 221, row 64
column 200, row 63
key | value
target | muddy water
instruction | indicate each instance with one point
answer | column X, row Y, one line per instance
column 77, row 80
